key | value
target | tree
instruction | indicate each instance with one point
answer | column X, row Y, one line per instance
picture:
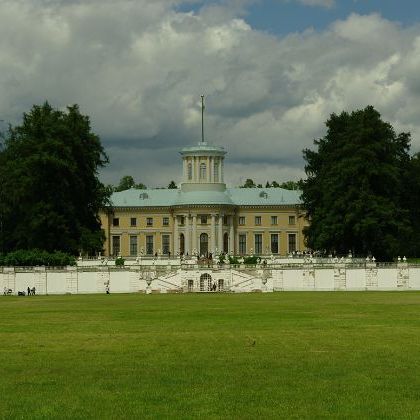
column 127, row 182
column 354, row 191
column 51, row 194
column 172, row 185
column 249, row 183
column 290, row 185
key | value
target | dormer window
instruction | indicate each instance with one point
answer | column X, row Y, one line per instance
column 202, row 171
column 189, row 170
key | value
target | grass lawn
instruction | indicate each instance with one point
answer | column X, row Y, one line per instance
column 244, row 356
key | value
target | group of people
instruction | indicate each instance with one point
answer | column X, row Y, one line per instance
column 31, row 291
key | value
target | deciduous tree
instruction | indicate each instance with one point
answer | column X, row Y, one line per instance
column 51, row 194
column 354, row 191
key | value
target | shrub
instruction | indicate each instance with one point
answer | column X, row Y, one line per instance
column 252, row 260
column 36, row 257
column 119, row 261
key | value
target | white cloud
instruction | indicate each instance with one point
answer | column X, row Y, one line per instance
column 138, row 69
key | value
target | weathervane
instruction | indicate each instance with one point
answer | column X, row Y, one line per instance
column 202, row 118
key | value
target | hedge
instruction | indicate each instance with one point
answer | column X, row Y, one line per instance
column 36, row 257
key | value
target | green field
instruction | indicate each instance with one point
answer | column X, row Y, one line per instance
column 244, row 356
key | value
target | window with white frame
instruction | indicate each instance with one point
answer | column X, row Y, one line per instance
column 274, row 243
column 149, row 221
column 149, row 244
column 292, row 220
column 292, row 242
column 242, row 243
column 165, row 221
column 165, row 244
column 274, row 220
column 116, row 245
column 258, row 243
column 133, row 245
column 241, row 221
column 257, row 220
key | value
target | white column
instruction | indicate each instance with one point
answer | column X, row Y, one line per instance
column 176, row 236
column 231, row 237
column 220, row 235
column 194, row 234
column 187, row 235
column 212, row 233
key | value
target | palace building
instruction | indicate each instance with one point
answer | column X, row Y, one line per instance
column 203, row 216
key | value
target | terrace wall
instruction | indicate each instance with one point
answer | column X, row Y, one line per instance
column 170, row 278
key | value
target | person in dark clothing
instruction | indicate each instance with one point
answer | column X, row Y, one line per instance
column 29, row 291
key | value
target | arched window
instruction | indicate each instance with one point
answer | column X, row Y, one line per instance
column 182, row 243
column 189, row 170
column 216, row 171
column 205, row 283
column 202, row 171
column 226, row 243
column 204, row 244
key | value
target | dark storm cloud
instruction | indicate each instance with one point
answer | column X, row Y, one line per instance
column 138, row 68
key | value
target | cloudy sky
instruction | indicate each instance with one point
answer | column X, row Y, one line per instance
column 272, row 72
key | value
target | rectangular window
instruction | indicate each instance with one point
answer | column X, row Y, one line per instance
column 165, row 221
column 257, row 220
column 274, row 220
column 292, row 242
column 274, row 243
column 182, row 220
column 225, row 220
column 242, row 244
column 115, row 221
column 133, row 221
column 133, row 246
column 149, row 221
column 165, row 244
column 116, row 247
column 149, row 244
column 292, row 220
column 258, row 243
column 241, row 221
column 203, row 220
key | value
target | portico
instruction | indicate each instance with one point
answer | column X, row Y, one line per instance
column 203, row 232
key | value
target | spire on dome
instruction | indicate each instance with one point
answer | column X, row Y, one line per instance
column 202, row 119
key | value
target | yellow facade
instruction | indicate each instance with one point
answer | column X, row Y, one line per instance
column 248, row 222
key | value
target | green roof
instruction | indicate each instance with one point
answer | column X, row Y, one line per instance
column 232, row 196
